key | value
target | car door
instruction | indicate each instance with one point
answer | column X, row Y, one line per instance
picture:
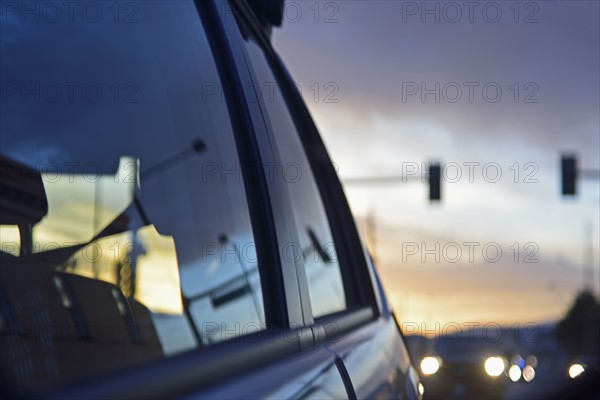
column 187, row 189
column 342, row 299
column 138, row 242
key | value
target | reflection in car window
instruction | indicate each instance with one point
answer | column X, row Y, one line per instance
column 316, row 246
column 124, row 226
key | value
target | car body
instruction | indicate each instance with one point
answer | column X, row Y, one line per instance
column 172, row 225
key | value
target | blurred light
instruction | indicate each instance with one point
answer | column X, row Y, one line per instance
column 514, row 373
column 532, row 360
column 494, row 366
column 518, row 361
column 575, row 370
column 528, row 373
column 421, row 389
column 430, row 365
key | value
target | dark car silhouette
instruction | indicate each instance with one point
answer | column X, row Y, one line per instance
column 170, row 222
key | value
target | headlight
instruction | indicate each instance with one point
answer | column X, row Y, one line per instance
column 528, row 373
column 575, row 370
column 430, row 365
column 514, row 373
column 494, row 366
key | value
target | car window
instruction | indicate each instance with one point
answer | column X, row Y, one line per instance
column 125, row 233
column 316, row 247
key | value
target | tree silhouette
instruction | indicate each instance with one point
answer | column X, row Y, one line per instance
column 579, row 330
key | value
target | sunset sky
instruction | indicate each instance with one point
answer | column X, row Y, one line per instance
column 370, row 61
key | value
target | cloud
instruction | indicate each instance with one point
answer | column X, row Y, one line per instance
column 370, row 53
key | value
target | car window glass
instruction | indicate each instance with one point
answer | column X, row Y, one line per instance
column 316, row 246
column 125, row 233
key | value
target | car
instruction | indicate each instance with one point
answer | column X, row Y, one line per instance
column 467, row 374
column 171, row 224
column 477, row 364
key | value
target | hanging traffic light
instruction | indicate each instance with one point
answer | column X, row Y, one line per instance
column 568, row 167
column 435, row 177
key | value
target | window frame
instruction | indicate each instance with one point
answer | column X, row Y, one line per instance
column 255, row 183
column 363, row 301
column 296, row 307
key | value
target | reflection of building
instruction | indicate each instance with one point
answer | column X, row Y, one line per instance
column 103, row 271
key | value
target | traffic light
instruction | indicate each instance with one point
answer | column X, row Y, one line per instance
column 435, row 177
column 568, row 164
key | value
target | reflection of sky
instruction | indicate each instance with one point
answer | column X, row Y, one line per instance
column 368, row 53
column 219, row 264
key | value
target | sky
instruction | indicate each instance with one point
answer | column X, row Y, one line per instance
column 495, row 91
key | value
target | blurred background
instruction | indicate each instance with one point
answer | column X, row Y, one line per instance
column 496, row 92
